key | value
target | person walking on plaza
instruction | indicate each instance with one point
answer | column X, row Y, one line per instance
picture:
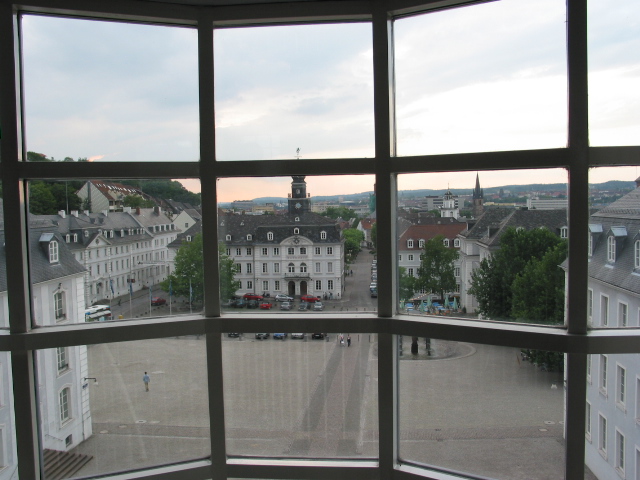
column 146, row 379
column 348, row 340
column 342, row 340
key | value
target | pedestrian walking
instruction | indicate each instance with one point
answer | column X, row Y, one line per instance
column 146, row 379
column 342, row 340
column 348, row 340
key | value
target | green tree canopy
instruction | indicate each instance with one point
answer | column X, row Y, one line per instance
column 436, row 270
column 136, row 201
column 339, row 212
column 406, row 284
column 188, row 274
column 538, row 291
column 352, row 240
column 492, row 282
column 374, row 235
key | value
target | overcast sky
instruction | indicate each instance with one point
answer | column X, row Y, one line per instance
column 482, row 78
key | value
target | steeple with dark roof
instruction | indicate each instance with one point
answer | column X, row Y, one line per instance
column 299, row 201
column 478, row 199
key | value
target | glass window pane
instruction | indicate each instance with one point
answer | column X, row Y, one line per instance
column 103, row 250
column 483, row 78
column 136, row 100
column 483, row 245
column 481, row 409
column 309, row 395
column 294, row 92
column 121, row 406
column 614, row 62
column 614, row 248
column 8, row 448
column 291, row 251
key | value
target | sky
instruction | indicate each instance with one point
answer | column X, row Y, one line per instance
column 484, row 78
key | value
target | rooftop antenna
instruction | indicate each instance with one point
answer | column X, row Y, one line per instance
column 298, row 153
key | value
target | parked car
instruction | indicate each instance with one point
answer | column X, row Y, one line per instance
column 373, row 286
column 233, row 335
column 266, row 306
column 281, row 297
column 279, row 336
column 252, row 304
column 317, row 335
column 308, row 298
column 262, row 336
column 303, row 306
column 297, row 335
column 252, row 296
column 374, row 293
column 318, row 306
column 158, row 301
column 286, row 306
column 239, row 303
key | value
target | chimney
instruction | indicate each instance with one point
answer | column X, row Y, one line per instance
column 74, row 213
column 62, row 213
column 156, row 210
column 137, row 210
column 86, row 212
column 105, row 213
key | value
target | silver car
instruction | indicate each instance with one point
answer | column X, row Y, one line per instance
column 285, row 306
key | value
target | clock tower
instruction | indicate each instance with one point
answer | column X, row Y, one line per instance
column 299, row 202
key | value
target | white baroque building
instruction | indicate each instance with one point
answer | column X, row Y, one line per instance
column 613, row 389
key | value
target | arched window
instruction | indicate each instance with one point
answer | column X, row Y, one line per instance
column 611, row 248
column 67, row 238
column 228, row 237
column 291, row 268
column 564, row 232
column 53, row 252
column 323, row 235
column 270, row 236
column 303, row 268
column 296, row 231
column 75, row 237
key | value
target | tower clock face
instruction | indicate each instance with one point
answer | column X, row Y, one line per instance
column 298, row 191
column 298, row 205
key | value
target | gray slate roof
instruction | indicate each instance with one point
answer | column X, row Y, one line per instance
column 624, row 212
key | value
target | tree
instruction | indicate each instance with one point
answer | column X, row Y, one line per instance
column 436, row 270
column 136, row 201
column 406, row 284
column 492, row 282
column 188, row 275
column 352, row 240
column 538, row 291
column 339, row 212
column 41, row 200
column 374, row 235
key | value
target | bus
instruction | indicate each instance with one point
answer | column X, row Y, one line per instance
column 100, row 313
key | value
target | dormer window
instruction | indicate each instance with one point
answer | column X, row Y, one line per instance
column 409, row 243
column 456, row 243
column 111, row 233
column 297, row 219
column 296, row 231
column 564, row 232
column 75, row 237
column 323, row 235
column 86, row 233
column 611, row 248
column 228, row 237
column 421, row 243
column 53, row 252
column 249, row 237
column 270, row 236
column 188, row 238
column 446, row 242
column 122, row 232
column 636, row 254
column 67, row 238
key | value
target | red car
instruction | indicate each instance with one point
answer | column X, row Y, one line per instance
column 252, row 296
column 266, row 306
column 158, row 301
column 308, row 298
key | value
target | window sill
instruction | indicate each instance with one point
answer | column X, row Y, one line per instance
column 619, row 472
column 602, row 453
column 621, row 407
column 603, row 392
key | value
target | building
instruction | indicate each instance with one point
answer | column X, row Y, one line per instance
column 101, row 195
column 477, row 199
column 483, row 238
column 547, row 203
column 613, row 388
column 57, row 293
column 120, row 251
column 365, row 225
column 300, row 253
column 412, row 240
column 572, row 150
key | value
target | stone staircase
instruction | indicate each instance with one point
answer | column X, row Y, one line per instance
column 60, row 465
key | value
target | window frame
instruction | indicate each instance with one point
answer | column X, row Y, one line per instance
column 577, row 156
